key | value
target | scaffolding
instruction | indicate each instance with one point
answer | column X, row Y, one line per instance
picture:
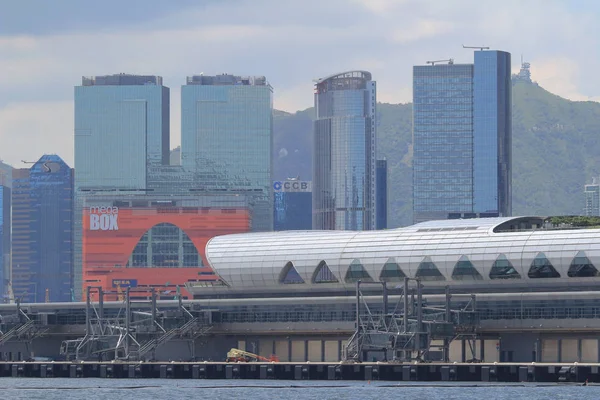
column 19, row 327
column 407, row 332
column 135, row 331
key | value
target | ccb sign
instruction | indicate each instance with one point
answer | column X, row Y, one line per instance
column 104, row 218
column 292, row 186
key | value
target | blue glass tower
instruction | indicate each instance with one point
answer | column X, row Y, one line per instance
column 5, row 229
column 462, row 138
column 442, row 140
column 344, row 152
column 42, row 246
column 121, row 129
column 492, row 138
column 227, row 138
column 382, row 194
column 292, row 205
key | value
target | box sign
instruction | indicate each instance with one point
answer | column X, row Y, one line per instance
column 104, row 218
column 292, row 186
column 124, row 283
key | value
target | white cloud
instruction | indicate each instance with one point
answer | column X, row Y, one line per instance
column 421, row 29
column 381, row 6
column 559, row 76
column 290, row 43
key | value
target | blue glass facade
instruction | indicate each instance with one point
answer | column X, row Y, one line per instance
column 492, row 137
column 226, row 138
column 344, row 152
column 462, row 138
column 5, row 229
column 121, row 128
column 292, row 205
column 42, row 246
column 382, row 194
column 442, row 140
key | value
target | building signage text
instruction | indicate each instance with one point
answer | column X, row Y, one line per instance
column 104, row 218
column 292, row 186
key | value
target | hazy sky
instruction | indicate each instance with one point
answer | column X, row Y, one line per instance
column 46, row 46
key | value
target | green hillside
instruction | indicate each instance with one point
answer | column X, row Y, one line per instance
column 556, row 143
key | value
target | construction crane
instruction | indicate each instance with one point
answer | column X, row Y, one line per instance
column 476, row 47
column 450, row 61
column 237, row 355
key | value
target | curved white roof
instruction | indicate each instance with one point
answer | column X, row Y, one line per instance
column 258, row 261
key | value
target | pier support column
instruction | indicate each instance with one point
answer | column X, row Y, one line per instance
column 559, row 350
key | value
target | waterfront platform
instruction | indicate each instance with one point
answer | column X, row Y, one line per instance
column 422, row 372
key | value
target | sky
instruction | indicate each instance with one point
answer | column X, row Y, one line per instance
column 47, row 46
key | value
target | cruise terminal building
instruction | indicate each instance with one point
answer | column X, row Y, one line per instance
column 292, row 294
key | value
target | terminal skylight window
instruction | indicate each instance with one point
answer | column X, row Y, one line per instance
column 541, row 267
column 323, row 274
column 289, row 275
column 165, row 246
column 356, row 272
column 391, row 272
column 503, row 269
column 465, row 271
column 581, row 266
column 428, row 271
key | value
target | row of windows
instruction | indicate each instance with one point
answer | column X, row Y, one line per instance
column 463, row 270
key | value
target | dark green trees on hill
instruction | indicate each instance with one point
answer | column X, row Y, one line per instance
column 556, row 148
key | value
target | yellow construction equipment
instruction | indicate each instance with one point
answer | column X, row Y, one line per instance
column 237, row 355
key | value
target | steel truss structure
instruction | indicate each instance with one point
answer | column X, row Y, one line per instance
column 412, row 328
column 19, row 327
column 135, row 331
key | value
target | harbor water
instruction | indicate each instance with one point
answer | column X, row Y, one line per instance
column 93, row 388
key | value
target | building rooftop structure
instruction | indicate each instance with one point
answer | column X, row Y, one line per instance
column 226, row 80
column 121, row 80
column 348, row 74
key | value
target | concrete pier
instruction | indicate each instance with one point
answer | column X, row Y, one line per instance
column 425, row 372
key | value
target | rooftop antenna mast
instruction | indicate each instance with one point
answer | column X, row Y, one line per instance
column 476, row 47
column 450, row 61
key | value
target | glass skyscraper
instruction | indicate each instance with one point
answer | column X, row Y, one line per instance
column 492, row 138
column 462, row 133
column 42, row 245
column 382, row 195
column 121, row 128
column 5, row 229
column 344, row 152
column 226, row 138
column 121, row 133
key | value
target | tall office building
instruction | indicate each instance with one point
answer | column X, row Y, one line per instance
column 5, row 229
column 592, row 199
column 42, row 245
column 492, row 134
column 226, row 138
column 344, row 186
column 292, row 205
column 382, row 194
column 121, row 128
column 462, row 132
column 121, row 133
